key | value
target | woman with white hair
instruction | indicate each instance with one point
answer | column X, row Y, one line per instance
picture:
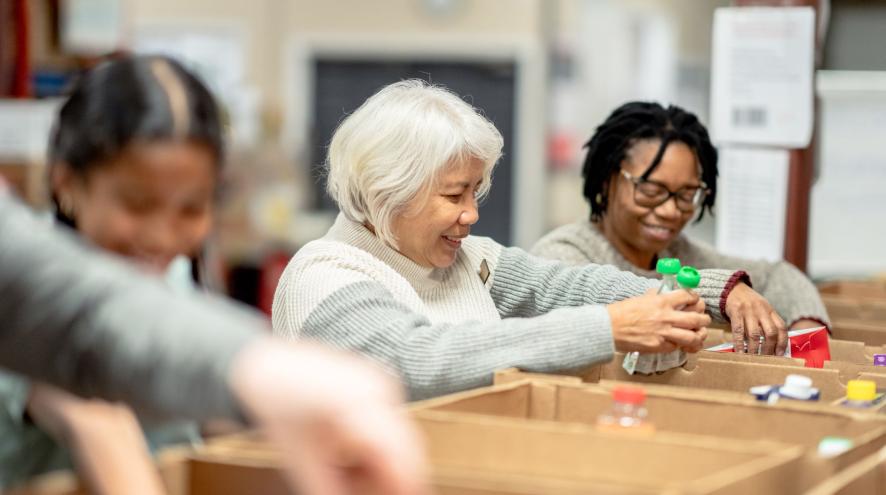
column 398, row 277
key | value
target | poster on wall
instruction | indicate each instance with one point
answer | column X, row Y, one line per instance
column 762, row 76
column 752, row 202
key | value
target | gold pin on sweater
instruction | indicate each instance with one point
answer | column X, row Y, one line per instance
column 484, row 271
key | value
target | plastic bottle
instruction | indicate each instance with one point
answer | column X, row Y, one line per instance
column 796, row 387
column 861, row 394
column 668, row 269
column 628, row 412
column 833, row 446
column 688, row 278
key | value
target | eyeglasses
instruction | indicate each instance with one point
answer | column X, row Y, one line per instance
column 651, row 194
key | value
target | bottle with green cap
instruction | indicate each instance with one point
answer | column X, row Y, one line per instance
column 668, row 268
column 688, row 278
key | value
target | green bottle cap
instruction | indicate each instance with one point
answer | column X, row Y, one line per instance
column 668, row 266
column 688, row 277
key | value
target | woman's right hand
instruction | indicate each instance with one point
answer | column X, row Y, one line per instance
column 653, row 323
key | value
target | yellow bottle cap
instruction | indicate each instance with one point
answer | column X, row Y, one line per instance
column 861, row 390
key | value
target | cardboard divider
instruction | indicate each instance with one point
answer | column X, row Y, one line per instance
column 871, row 333
column 476, row 455
column 575, row 452
column 735, row 373
column 859, row 289
column 852, row 308
column 851, row 300
column 849, row 351
column 868, row 476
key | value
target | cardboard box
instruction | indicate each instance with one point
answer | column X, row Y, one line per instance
column 734, row 373
column 869, row 332
column 849, row 351
column 865, row 477
column 858, row 289
column 548, row 452
column 208, row 471
column 476, row 455
column 678, row 411
column 848, row 300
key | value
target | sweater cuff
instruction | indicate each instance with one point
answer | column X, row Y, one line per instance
column 738, row 277
column 715, row 286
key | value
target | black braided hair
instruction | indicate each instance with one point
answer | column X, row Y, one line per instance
column 635, row 121
column 120, row 102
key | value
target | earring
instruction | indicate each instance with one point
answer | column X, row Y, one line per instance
column 67, row 207
column 599, row 198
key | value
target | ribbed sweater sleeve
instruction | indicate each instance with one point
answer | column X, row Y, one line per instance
column 524, row 285
column 347, row 308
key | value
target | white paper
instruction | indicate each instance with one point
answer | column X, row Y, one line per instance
column 25, row 126
column 762, row 76
column 92, row 26
column 752, row 202
column 847, row 229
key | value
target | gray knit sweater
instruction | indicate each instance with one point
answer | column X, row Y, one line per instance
column 792, row 295
column 445, row 330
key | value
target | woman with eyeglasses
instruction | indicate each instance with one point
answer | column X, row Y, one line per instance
column 648, row 171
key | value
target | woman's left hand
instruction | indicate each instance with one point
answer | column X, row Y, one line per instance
column 753, row 319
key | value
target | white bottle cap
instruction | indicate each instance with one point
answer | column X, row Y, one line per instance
column 797, row 387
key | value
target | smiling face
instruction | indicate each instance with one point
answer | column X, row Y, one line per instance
column 639, row 233
column 431, row 228
column 151, row 203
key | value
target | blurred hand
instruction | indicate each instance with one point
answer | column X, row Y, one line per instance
column 755, row 322
column 338, row 420
column 659, row 322
column 105, row 440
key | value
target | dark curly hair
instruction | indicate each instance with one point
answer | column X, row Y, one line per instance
column 635, row 121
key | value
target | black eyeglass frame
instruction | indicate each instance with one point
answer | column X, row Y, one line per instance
column 701, row 190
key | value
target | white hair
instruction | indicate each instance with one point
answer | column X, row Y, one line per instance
column 395, row 146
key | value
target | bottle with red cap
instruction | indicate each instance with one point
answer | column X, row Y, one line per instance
column 628, row 412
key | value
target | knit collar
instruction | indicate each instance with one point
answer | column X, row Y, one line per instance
column 357, row 235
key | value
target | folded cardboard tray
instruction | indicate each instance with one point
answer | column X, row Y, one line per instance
column 509, row 454
column 725, row 419
column 729, row 372
column 524, row 451
column 855, row 300
column 867, row 476
column 857, row 310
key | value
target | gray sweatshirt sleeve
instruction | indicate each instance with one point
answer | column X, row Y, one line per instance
column 524, row 285
column 437, row 359
column 789, row 291
column 95, row 326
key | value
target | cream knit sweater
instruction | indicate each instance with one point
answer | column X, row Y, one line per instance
column 445, row 330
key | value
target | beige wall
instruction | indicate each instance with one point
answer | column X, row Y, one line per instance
column 270, row 24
